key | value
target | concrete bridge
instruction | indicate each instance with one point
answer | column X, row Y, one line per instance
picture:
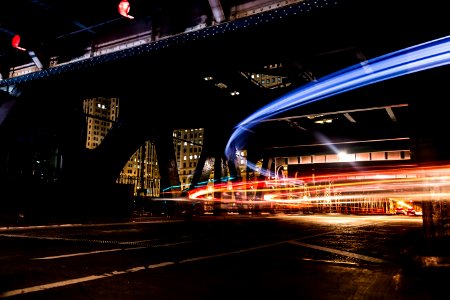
column 161, row 87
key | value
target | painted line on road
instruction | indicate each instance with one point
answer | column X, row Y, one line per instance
column 330, row 261
column 143, row 243
column 340, row 252
column 43, row 287
column 230, row 253
column 104, row 251
column 163, row 264
column 86, row 253
column 87, row 225
column 132, row 270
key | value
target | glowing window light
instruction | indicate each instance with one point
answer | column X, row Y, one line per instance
column 221, row 85
column 323, row 121
column 344, row 156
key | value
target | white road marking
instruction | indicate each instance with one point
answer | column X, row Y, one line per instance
column 340, row 252
column 26, row 227
column 93, row 241
column 86, row 253
column 114, row 273
column 104, row 251
column 230, row 253
column 330, row 261
column 163, row 264
column 43, row 287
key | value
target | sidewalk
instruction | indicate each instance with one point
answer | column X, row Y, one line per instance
column 429, row 255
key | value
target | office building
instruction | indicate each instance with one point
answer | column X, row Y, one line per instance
column 188, row 145
column 101, row 113
column 141, row 170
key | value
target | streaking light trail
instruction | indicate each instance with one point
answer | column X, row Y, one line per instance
column 363, row 192
column 413, row 59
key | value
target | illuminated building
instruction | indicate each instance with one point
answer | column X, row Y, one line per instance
column 141, row 170
column 265, row 79
column 329, row 173
column 188, row 145
column 101, row 113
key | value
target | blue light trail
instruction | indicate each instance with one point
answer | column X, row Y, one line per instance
column 413, row 59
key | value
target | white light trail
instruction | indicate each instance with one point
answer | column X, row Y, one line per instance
column 417, row 58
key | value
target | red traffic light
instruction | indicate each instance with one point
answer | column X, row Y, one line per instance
column 124, row 9
column 16, row 41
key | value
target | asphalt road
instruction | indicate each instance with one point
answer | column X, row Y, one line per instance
column 252, row 257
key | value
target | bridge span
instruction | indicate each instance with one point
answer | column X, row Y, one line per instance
column 160, row 83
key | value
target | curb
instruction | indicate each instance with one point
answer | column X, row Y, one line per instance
column 432, row 261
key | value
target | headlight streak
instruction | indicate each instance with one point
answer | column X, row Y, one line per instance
column 413, row 59
column 413, row 184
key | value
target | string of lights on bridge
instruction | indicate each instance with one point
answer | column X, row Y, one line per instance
column 124, row 10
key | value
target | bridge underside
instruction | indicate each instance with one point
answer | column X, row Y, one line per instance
column 165, row 89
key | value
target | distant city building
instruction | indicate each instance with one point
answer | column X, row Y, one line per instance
column 241, row 157
column 188, row 145
column 141, row 170
column 267, row 78
column 101, row 113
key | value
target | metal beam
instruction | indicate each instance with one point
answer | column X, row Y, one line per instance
column 391, row 114
column 350, row 118
column 217, row 10
column 387, row 108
